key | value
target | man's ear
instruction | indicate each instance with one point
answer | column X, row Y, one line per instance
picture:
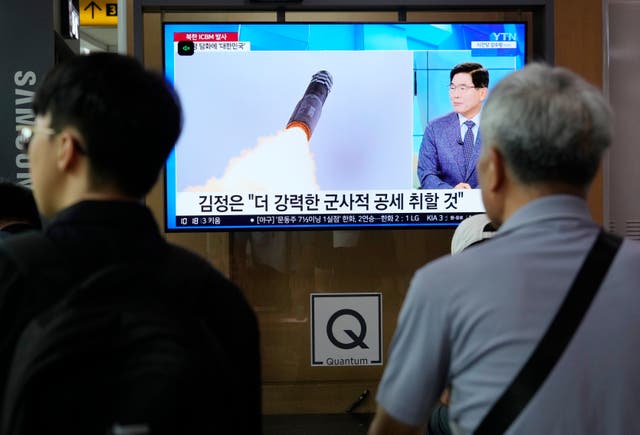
column 496, row 170
column 67, row 153
column 483, row 93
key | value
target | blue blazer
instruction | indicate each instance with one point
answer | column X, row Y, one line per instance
column 441, row 160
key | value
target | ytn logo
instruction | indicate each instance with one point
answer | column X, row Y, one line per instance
column 503, row 36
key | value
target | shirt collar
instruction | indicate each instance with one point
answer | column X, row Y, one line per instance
column 475, row 119
column 549, row 207
column 115, row 214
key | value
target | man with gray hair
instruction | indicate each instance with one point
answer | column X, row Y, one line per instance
column 473, row 320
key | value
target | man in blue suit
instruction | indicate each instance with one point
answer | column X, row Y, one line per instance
column 451, row 143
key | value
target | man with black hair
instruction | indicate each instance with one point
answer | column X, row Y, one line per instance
column 104, row 127
column 474, row 320
column 451, row 143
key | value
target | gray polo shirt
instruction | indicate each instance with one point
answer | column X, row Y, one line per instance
column 472, row 320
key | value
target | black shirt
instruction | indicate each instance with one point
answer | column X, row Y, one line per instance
column 93, row 234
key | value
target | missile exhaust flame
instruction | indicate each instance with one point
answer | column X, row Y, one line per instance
column 308, row 110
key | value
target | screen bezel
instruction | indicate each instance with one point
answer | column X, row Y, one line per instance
column 321, row 227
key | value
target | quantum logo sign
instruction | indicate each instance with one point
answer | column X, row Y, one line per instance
column 346, row 329
column 355, row 340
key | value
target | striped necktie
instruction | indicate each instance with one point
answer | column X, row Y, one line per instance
column 468, row 143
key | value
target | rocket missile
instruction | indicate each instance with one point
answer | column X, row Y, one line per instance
column 309, row 108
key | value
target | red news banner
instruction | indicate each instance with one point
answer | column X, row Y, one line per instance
column 205, row 36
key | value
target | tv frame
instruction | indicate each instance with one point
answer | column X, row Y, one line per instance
column 437, row 220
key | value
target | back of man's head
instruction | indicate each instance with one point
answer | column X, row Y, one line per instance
column 129, row 118
column 550, row 125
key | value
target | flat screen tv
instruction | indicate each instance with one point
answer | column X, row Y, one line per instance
column 318, row 125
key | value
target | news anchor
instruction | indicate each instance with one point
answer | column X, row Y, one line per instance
column 451, row 143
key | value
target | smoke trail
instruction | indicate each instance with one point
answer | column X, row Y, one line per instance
column 279, row 163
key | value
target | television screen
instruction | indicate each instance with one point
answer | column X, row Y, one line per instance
column 318, row 125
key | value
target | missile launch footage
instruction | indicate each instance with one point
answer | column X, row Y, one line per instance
column 282, row 162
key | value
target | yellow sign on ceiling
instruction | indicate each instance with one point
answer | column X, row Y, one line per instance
column 99, row 13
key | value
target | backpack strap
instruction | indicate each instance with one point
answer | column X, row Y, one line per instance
column 556, row 338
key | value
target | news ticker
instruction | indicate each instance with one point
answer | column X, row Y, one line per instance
column 320, row 220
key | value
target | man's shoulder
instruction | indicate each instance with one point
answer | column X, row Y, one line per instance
column 629, row 255
column 470, row 269
column 445, row 121
column 633, row 246
column 194, row 266
column 442, row 275
column 201, row 278
column 462, row 263
column 28, row 252
column 463, row 276
column 10, row 269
